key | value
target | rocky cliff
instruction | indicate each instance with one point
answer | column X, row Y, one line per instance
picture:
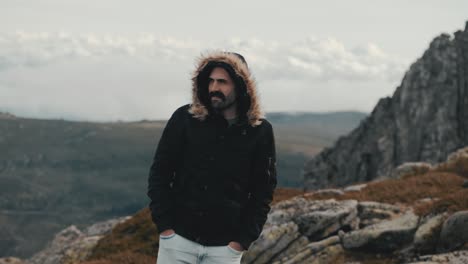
column 424, row 120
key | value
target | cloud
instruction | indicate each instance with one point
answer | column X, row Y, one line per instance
column 309, row 59
column 116, row 77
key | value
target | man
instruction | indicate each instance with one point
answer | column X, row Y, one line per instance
column 214, row 170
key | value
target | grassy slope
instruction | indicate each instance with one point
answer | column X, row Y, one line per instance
column 56, row 173
column 442, row 185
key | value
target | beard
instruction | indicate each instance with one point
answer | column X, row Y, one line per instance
column 220, row 102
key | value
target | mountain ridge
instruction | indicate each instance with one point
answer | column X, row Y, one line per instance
column 425, row 119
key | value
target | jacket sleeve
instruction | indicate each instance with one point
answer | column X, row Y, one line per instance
column 261, row 189
column 163, row 170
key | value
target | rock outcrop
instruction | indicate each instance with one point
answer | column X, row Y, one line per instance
column 347, row 225
column 457, row 257
column 72, row 245
column 385, row 236
column 424, row 120
column 454, row 233
column 302, row 231
column 397, row 231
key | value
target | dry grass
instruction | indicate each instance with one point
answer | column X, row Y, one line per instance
column 458, row 166
column 285, row 193
column 124, row 258
column 441, row 185
column 450, row 202
column 406, row 191
column 137, row 235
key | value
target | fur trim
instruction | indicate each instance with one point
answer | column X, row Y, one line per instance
column 199, row 111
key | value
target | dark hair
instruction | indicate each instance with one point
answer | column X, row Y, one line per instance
column 239, row 56
column 242, row 97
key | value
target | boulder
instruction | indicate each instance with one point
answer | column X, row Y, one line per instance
column 310, row 252
column 104, row 227
column 292, row 249
column 456, row 257
column 10, row 260
column 329, row 192
column 427, row 235
column 316, row 219
column 410, row 168
column 53, row 253
column 454, row 233
column 385, row 236
column 324, row 218
column 292, row 224
column 371, row 213
column 71, row 245
column 355, row 188
column 272, row 242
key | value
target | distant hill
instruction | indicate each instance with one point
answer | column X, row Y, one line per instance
column 307, row 132
column 300, row 136
column 5, row 115
column 54, row 173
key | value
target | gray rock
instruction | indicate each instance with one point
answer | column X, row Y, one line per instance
column 461, row 154
column 410, row 168
column 456, row 257
column 454, row 232
column 293, row 223
column 371, row 213
column 292, row 249
column 315, row 214
column 383, row 237
column 311, row 251
column 53, row 253
column 330, row 192
column 79, row 250
column 427, row 235
column 355, row 188
column 104, row 227
column 10, row 260
column 425, row 119
column 72, row 245
column 330, row 254
column 327, row 217
column 272, row 242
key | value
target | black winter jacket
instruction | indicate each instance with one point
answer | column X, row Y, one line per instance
column 210, row 182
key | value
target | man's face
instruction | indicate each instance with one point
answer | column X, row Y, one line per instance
column 221, row 89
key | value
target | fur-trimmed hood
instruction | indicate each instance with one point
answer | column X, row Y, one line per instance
column 200, row 111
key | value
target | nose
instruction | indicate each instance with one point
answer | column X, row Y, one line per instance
column 213, row 86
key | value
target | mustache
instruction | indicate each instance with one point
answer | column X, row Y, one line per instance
column 217, row 94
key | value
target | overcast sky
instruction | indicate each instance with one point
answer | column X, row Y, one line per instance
column 108, row 60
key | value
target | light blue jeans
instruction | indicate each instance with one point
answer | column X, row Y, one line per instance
column 175, row 248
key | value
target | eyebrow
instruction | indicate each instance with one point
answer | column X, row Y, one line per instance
column 218, row 79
